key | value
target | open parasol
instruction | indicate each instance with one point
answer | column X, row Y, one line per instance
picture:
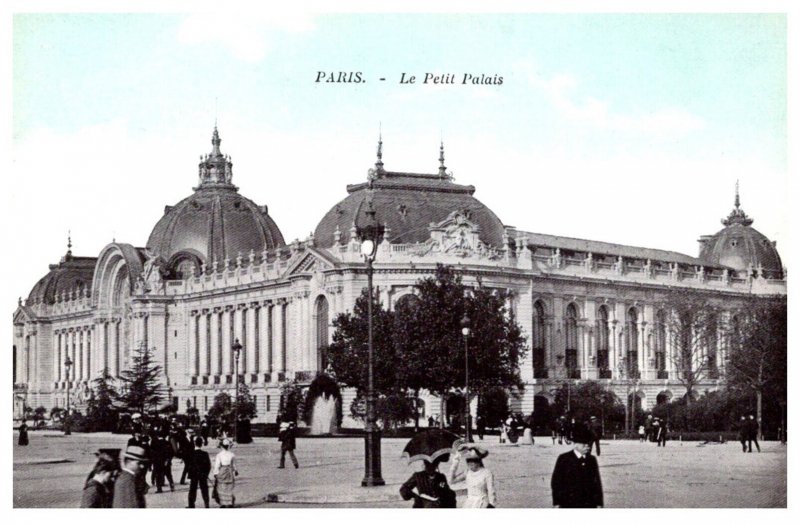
column 430, row 445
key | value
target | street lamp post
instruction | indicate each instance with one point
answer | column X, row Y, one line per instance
column 370, row 236
column 237, row 349
column 465, row 326
column 67, row 365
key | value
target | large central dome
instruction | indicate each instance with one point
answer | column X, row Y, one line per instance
column 215, row 223
column 407, row 204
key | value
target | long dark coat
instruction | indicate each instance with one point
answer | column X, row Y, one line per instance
column 23, row 435
column 96, row 495
column 287, row 439
column 576, row 482
column 129, row 491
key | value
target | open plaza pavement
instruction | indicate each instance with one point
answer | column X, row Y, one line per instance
column 50, row 472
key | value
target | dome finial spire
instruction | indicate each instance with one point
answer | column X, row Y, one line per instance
column 737, row 215
column 379, row 162
column 442, row 167
column 69, row 242
column 215, row 168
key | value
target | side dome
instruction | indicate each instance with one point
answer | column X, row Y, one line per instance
column 407, row 204
column 741, row 247
column 215, row 223
column 72, row 275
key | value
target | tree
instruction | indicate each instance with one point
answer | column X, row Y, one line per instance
column 291, row 403
column 224, row 410
column 141, row 385
column 100, row 411
column 347, row 355
column 391, row 410
column 587, row 399
column 431, row 345
column 757, row 353
column 493, row 406
column 38, row 416
column 692, row 328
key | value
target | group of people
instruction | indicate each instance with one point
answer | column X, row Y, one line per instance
column 565, row 430
column 431, row 489
column 654, row 430
column 124, row 485
column 748, row 433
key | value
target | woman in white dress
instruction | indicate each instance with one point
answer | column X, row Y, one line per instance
column 224, row 471
column 479, row 479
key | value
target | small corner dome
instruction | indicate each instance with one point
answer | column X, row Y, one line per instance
column 215, row 223
column 741, row 247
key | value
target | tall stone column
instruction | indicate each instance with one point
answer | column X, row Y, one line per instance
column 56, row 354
column 193, row 349
column 227, row 341
column 253, row 341
column 116, row 327
column 80, row 343
column 644, row 351
column 263, row 339
column 525, row 319
column 280, row 336
column 216, row 358
column 240, row 329
column 550, row 354
column 204, row 342
column 613, row 362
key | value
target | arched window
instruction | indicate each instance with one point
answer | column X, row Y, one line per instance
column 571, row 328
column 660, row 343
column 632, row 343
column 321, row 312
column 538, row 341
column 602, row 342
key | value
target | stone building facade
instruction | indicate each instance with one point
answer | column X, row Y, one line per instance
column 216, row 268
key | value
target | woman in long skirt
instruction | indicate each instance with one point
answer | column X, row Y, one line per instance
column 23, row 434
column 225, row 475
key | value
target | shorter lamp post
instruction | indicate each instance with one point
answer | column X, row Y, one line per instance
column 237, row 349
column 67, row 365
column 465, row 327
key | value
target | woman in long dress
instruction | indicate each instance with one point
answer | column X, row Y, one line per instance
column 23, row 434
column 225, row 473
column 481, row 491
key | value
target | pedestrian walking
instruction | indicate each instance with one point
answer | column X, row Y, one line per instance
column 743, row 433
column 481, row 489
column 23, row 434
column 431, row 422
column 186, row 446
column 199, row 465
column 288, row 443
column 554, row 430
column 576, row 476
column 225, row 473
column 641, row 434
column 655, row 430
column 480, row 425
column 661, row 437
column 98, row 492
column 429, row 488
column 204, row 431
column 752, row 434
column 648, row 428
column 130, row 486
column 596, row 428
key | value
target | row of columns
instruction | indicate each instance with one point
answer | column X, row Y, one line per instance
column 260, row 328
column 90, row 348
column 623, row 338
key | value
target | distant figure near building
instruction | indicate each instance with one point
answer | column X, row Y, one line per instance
column 743, row 426
column 23, row 434
column 576, row 477
column 596, row 428
column 287, row 438
column 752, row 434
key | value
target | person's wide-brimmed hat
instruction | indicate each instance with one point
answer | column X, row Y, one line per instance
column 581, row 434
column 137, row 453
column 430, row 445
column 226, row 442
column 137, row 415
column 472, row 452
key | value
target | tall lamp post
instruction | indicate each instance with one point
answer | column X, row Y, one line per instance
column 67, row 365
column 370, row 236
column 237, row 349
column 465, row 326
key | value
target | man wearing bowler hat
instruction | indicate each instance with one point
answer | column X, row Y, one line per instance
column 130, row 487
column 576, row 477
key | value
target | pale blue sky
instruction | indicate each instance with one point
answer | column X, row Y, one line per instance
column 624, row 128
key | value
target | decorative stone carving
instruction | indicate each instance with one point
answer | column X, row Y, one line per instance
column 456, row 235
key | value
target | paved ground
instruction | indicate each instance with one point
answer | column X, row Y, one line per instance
column 634, row 474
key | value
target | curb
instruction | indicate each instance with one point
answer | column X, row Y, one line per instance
column 45, row 461
column 334, row 498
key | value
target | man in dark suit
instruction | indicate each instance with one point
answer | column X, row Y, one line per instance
column 576, row 477
column 130, row 486
column 752, row 433
column 199, row 466
column 596, row 428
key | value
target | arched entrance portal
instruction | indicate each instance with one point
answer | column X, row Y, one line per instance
column 321, row 314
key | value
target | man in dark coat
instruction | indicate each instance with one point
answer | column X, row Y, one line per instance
column 648, row 428
column 596, row 428
column 287, row 438
column 199, row 465
column 743, row 433
column 130, row 486
column 576, row 477
column 752, row 433
column 204, row 431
